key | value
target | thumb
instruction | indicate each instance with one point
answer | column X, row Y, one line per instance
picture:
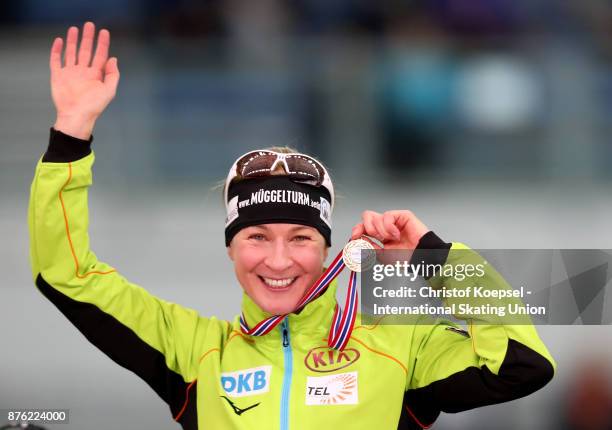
column 111, row 74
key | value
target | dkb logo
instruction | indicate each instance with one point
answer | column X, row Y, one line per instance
column 247, row 382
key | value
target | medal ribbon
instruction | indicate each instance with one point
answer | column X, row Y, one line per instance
column 342, row 321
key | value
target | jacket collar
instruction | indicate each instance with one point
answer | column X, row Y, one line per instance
column 314, row 319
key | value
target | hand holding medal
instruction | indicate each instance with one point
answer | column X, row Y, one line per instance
column 395, row 229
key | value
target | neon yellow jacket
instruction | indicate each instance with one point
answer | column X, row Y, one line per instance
column 214, row 377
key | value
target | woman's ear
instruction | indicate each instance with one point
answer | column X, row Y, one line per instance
column 230, row 252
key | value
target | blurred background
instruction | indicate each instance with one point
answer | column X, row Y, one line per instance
column 488, row 118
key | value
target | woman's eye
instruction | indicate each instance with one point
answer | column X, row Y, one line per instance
column 301, row 238
column 257, row 236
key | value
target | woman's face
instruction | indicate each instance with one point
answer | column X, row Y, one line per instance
column 277, row 263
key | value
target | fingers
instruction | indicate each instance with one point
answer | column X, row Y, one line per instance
column 389, row 223
column 368, row 225
column 378, row 225
column 358, row 231
column 101, row 56
column 400, row 218
column 374, row 226
column 71, row 46
column 396, row 229
column 85, row 49
column 384, row 227
column 406, row 220
column 55, row 58
column 111, row 74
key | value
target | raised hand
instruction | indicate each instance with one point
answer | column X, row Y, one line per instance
column 82, row 87
column 395, row 229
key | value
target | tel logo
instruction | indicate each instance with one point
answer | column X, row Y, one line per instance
column 323, row 359
column 339, row 389
column 247, row 382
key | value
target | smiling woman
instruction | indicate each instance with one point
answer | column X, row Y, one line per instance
column 277, row 263
column 276, row 234
column 293, row 358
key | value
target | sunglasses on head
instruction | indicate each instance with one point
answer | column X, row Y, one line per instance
column 299, row 167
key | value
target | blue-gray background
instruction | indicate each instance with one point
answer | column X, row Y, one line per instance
column 488, row 118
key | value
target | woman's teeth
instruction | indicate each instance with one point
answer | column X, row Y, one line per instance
column 278, row 283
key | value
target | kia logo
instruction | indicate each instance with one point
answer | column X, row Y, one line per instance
column 323, row 359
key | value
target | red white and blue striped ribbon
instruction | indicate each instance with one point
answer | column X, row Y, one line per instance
column 342, row 321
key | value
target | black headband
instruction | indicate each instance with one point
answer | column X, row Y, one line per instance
column 277, row 199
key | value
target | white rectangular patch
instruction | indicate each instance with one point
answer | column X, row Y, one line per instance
column 340, row 389
column 247, row 382
column 232, row 211
column 325, row 211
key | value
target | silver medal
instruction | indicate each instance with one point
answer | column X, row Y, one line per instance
column 352, row 255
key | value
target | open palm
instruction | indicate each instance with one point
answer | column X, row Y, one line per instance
column 85, row 84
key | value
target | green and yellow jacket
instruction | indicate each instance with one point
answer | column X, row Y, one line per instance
column 214, row 377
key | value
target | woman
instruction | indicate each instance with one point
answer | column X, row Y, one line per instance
column 292, row 359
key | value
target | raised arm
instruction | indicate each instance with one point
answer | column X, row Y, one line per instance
column 158, row 340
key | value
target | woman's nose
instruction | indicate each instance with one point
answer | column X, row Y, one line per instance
column 279, row 258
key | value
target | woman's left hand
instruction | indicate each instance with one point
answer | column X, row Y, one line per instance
column 395, row 229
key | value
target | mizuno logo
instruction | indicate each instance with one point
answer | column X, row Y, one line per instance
column 237, row 410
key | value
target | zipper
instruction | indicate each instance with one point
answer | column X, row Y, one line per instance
column 288, row 356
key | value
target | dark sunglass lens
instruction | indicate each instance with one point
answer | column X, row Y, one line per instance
column 256, row 164
column 305, row 168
